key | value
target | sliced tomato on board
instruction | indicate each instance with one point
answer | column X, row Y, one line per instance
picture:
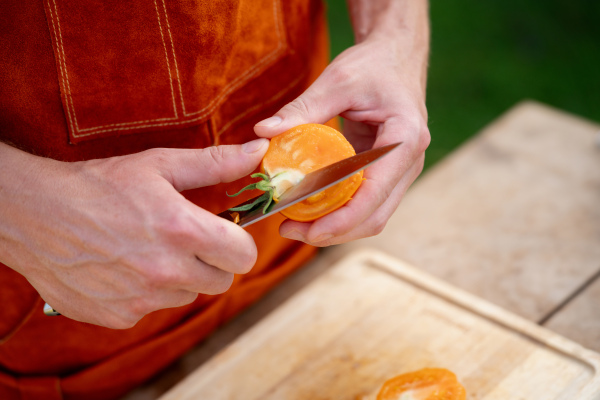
column 424, row 384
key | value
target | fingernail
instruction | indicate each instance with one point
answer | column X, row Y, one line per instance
column 254, row 146
column 294, row 235
column 270, row 122
column 322, row 238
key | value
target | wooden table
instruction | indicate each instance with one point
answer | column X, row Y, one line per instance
column 513, row 216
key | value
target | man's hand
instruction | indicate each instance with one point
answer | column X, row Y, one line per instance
column 108, row 241
column 378, row 86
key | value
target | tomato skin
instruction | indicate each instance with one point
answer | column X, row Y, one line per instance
column 306, row 148
column 324, row 202
column 424, row 384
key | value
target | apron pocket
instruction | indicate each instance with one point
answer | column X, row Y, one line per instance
column 129, row 67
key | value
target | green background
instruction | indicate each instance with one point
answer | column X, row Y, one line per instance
column 488, row 55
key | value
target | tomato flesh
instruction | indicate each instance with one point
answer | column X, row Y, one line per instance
column 304, row 149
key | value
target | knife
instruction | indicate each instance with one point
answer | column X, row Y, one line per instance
column 312, row 184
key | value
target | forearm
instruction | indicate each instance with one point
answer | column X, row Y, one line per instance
column 402, row 23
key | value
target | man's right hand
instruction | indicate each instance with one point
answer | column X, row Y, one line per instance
column 108, row 241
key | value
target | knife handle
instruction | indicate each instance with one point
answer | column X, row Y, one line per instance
column 237, row 216
column 49, row 311
column 233, row 216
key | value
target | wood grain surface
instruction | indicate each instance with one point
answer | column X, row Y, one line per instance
column 372, row 317
column 580, row 318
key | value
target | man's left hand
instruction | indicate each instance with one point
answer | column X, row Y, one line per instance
column 381, row 95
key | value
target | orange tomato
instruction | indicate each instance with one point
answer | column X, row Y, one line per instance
column 304, row 149
column 425, row 384
column 295, row 153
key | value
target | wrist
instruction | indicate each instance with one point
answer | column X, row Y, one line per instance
column 20, row 189
column 390, row 19
column 400, row 28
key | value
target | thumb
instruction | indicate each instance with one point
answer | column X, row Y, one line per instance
column 317, row 104
column 193, row 168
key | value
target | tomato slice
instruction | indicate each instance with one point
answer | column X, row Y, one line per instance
column 301, row 150
column 424, row 384
column 292, row 155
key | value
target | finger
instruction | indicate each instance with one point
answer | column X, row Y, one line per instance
column 371, row 226
column 318, row 104
column 362, row 136
column 224, row 245
column 124, row 317
column 206, row 279
column 377, row 221
column 194, row 231
column 373, row 192
column 193, row 168
column 380, row 181
column 179, row 298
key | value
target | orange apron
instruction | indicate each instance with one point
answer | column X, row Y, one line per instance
column 95, row 79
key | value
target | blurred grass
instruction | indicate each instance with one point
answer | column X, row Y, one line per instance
column 488, row 55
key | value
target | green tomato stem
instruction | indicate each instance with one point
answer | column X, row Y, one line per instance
column 263, row 201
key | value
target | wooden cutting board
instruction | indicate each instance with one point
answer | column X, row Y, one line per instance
column 372, row 317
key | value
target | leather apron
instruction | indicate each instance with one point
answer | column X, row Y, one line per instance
column 94, row 79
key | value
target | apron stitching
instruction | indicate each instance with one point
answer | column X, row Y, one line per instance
column 134, row 122
column 271, row 100
column 166, row 57
column 62, row 74
column 64, row 63
column 208, row 109
column 174, row 57
column 241, row 79
column 67, row 86
column 37, row 304
column 175, row 123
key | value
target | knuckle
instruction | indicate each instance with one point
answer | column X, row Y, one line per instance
column 210, row 160
column 187, row 298
column 384, row 193
column 324, row 243
column 420, row 166
column 247, row 259
column 176, row 225
column 299, row 105
column 377, row 229
column 215, row 154
column 161, row 277
column 116, row 325
column 378, row 225
column 341, row 75
column 424, row 139
column 120, row 322
column 139, row 307
column 159, row 157
column 221, row 285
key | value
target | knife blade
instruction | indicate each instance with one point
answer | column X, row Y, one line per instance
column 312, row 184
